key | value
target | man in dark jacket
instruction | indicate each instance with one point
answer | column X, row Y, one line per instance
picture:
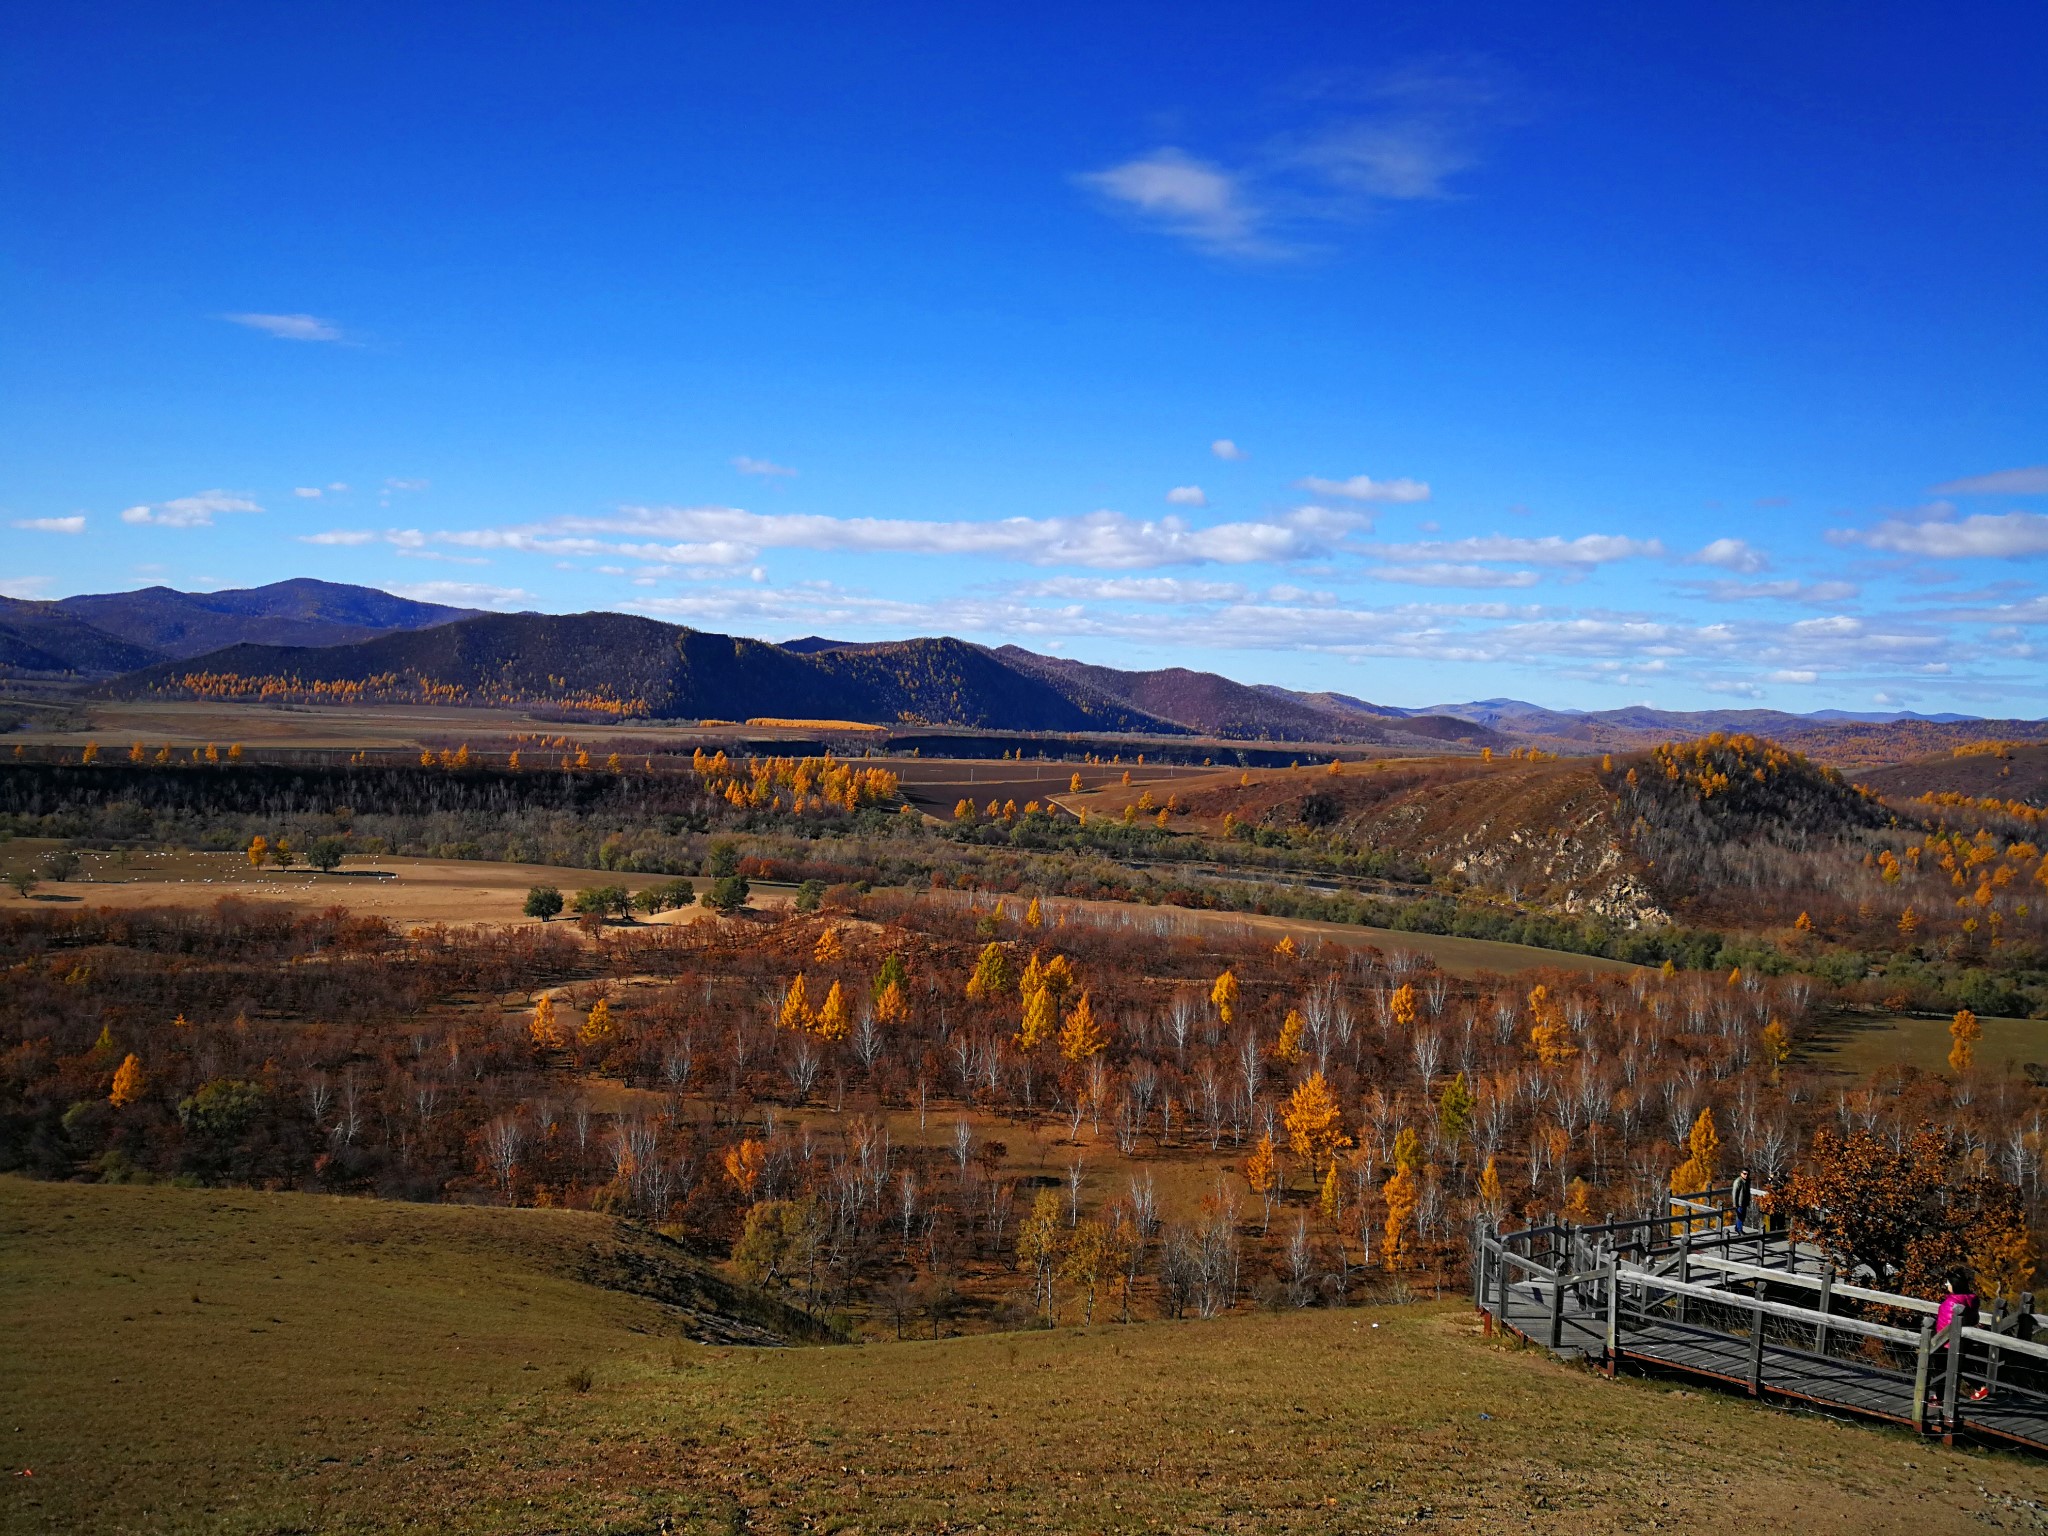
column 1738, row 1200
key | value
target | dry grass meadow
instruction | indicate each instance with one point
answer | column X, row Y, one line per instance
column 189, row 1360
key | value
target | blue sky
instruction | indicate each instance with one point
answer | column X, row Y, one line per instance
column 1681, row 354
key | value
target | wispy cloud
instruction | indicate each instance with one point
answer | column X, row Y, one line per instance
column 1170, row 190
column 190, row 511
column 1187, row 496
column 1940, row 536
column 289, row 327
column 73, row 524
column 1588, row 550
column 1789, row 591
column 343, row 537
column 1365, row 488
column 1732, row 555
column 461, row 594
column 768, row 467
column 26, row 588
column 1133, row 589
column 2031, row 481
column 1394, row 138
column 1228, row 451
column 1442, row 574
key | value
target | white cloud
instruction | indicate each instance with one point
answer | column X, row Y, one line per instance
column 1187, row 197
column 27, row 588
column 1980, row 536
column 73, row 524
column 309, row 492
column 190, row 511
column 2031, row 481
column 290, row 327
column 747, row 466
column 1134, row 589
column 396, row 484
column 1187, row 496
column 1820, row 593
column 461, row 594
column 1794, row 676
column 1588, row 550
column 1732, row 555
column 1736, row 690
column 1100, row 540
column 345, row 537
column 1443, row 574
column 1228, row 451
column 1365, row 488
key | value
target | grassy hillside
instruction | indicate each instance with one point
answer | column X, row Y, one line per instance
column 235, row 1362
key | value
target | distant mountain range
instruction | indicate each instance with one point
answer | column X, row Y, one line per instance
column 103, row 634
column 316, row 639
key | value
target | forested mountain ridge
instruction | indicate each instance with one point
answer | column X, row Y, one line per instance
column 102, row 634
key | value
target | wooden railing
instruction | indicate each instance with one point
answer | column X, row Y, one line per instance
column 1685, row 1292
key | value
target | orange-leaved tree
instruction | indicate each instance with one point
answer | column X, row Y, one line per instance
column 1912, row 1212
column 1262, row 1172
column 1402, row 1194
column 1965, row 1031
column 130, row 1081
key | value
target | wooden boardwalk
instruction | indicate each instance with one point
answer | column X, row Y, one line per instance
column 1762, row 1314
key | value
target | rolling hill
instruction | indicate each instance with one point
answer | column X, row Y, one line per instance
column 102, row 634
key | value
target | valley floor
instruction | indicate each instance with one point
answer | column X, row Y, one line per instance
column 203, row 1360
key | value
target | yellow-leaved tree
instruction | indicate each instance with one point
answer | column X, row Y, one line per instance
column 1223, row 995
column 829, row 948
column 1776, row 1041
column 1402, row 1004
column 1491, row 1199
column 1550, row 1033
column 795, row 1013
column 599, row 1025
column 1082, row 1036
column 1315, row 1123
column 1288, row 1047
column 546, row 1032
column 832, row 1023
column 1034, row 915
column 1041, row 1019
column 1702, row 1163
column 1402, row 1194
column 991, row 978
column 259, row 851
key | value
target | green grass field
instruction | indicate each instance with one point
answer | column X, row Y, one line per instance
column 186, row 1360
column 1858, row 1045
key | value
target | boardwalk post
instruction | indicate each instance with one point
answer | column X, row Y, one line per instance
column 1756, row 1352
column 1952, row 1383
column 1613, row 1277
column 1684, row 1267
column 1556, row 1308
column 1504, row 1273
column 1920, row 1374
column 1827, row 1290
